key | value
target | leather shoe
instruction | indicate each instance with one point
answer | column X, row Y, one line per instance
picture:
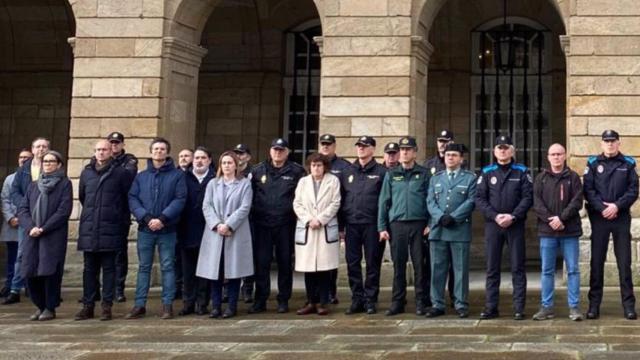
column 306, row 310
column 215, row 313
column 5, row 292
column 228, row 313
column 421, row 310
column 518, row 315
column 371, row 309
column 333, row 300
column 322, row 310
column 13, row 298
column 433, row 312
column 630, row 314
column 463, row 313
column 487, row 314
column 87, row 312
column 121, row 298
column 283, row 307
column 167, row 312
column 394, row 310
column 35, row 315
column 356, row 307
column 136, row 313
column 202, row 310
column 106, row 312
column 593, row 313
column 257, row 308
column 47, row 315
column 187, row 310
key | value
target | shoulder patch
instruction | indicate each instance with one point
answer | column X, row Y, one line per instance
column 519, row 167
column 592, row 159
column 630, row 160
column 489, row 168
column 439, row 172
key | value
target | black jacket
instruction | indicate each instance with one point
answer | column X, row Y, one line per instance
column 338, row 165
column 558, row 195
column 434, row 164
column 611, row 180
column 360, row 188
column 273, row 193
column 192, row 223
column 129, row 162
column 20, row 183
column 104, row 221
column 504, row 189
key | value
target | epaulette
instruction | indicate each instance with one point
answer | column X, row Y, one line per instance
column 592, row 159
column 468, row 172
column 630, row 160
column 489, row 168
column 519, row 167
column 439, row 172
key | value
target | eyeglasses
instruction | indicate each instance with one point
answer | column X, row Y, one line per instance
column 49, row 161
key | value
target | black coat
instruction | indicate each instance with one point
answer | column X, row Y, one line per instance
column 612, row 180
column 504, row 189
column 44, row 255
column 273, row 193
column 558, row 195
column 104, row 222
column 360, row 187
column 192, row 223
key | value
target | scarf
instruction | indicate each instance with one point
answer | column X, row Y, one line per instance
column 45, row 183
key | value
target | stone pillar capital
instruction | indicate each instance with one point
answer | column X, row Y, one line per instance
column 182, row 51
column 319, row 40
column 421, row 48
column 565, row 44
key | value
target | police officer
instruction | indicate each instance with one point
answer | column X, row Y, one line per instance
column 610, row 188
column 450, row 203
column 434, row 165
column 361, row 184
column 244, row 155
column 274, row 183
column 130, row 163
column 403, row 219
column 338, row 165
column 504, row 195
column 391, row 155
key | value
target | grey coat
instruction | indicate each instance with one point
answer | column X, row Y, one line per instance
column 232, row 210
column 9, row 210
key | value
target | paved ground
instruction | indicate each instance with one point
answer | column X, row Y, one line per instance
column 272, row 336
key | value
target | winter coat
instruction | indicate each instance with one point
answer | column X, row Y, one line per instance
column 232, row 210
column 403, row 196
column 273, row 192
column 104, row 221
column 9, row 211
column 21, row 183
column 44, row 255
column 317, row 249
column 612, row 180
column 192, row 221
column 504, row 189
column 558, row 195
column 158, row 194
column 360, row 190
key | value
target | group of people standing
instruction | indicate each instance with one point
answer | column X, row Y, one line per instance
column 219, row 227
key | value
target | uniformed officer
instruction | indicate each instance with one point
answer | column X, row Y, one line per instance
column 130, row 163
column 391, row 155
column 504, row 195
column 610, row 188
column 450, row 203
column 361, row 184
column 434, row 165
column 274, row 183
column 244, row 155
column 403, row 219
column 338, row 165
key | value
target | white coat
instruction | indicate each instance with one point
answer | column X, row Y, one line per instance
column 319, row 249
column 232, row 210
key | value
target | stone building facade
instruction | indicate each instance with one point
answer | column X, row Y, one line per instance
column 219, row 72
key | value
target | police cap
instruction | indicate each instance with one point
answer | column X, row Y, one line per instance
column 366, row 141
column 327, row 139
column 391, row 148
column 610, row 135
column 408, row 142
column 279, row 143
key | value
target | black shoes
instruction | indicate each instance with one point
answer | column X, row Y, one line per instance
column 5, row 292
column 187, row 310
column 355, row 308
column 215, row 313
column 121, row 298
column 201, row 310
column 395, row 309
column 333, row 300
column 463, row 313
column 421, row 309
column 518, row 315
column 630, row 314
column 434, row 312
column 487, row 314
column 87, row 312
column 371, row 308
column 258, row 307
column 283, row 307
column 13, row 298
column 228, row 313
column 594, row 313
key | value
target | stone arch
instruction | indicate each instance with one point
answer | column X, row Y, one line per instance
column 36, row 64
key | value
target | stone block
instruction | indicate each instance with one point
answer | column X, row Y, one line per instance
column 604, row 85
column 585, row 251
column 119, row 8
column 81, row 87
column 152, row 8
column 604, row 25
column 117, row 88
column 604, row 65
column 330, row 8
column 578, row 163
column 627, row 126
column 366, row 66
column 370, row 126
column 395, row 126
column 119, row 28
column 117, row 67
column 339, row 126
column 589, row 145
column 605, row 45
column 84, row 48
column 367, row 26
column 84, row 8
column 365, row 106
column 75, row 167
column 399, row 7
column 148, row 47
column 151, row 87
column 363, row 7
column 578, row 126
column 604, row 105
column 607, row 7
column 115, row 47
column 126, row 107
column 362, row 46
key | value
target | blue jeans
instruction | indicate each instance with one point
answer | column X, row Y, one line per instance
column 571, row 251
column 17, row 283
column 166, row 248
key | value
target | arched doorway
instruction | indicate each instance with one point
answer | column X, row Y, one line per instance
column 260, row 77
column 473, row 93
column 36, row 76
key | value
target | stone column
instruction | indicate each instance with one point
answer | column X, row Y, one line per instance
column 116, row 86
column 421, row 51
column 603, row 80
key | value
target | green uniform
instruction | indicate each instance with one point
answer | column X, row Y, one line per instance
column 453, row 197
column 403, row 196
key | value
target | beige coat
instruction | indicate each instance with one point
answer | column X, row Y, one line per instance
column 319, row 249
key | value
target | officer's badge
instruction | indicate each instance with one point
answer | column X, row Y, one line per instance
column 529, row 178
column 586, row 170
column 404, row 141
column 444, row 133
column 479, row 180
column 600, row 169
column 502, row 138
column 391, row 146
column 279, row 142
column 494, row 180
column 326, row 137
column 364, row 138
column 263, row 179
column 433, row 170
column 417, row 176
column 350, row 179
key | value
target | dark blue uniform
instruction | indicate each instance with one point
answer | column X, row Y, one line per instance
column 360, row 187
column 611, row 180
column 338, row 165
column 505, row 189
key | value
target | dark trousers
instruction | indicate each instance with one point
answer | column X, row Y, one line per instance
column 196, row 290
column 318, row 287
column 333, row 283
column 45, row 290
column 359, row 238
column 600, row 231
column 407, row 239
column 12, row 255
column 495, row 238
column 267, row 239
column 232, row 286
column 451, row 280
column 93, row 263
column 122, row 268
column 178, row 267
